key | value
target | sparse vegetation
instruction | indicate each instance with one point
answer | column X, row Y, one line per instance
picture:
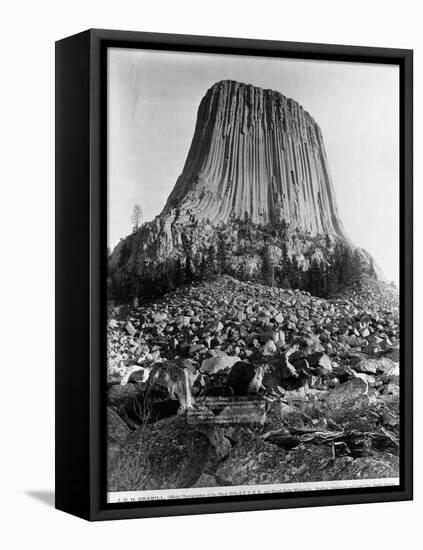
column 279, row 257
column 129, row 467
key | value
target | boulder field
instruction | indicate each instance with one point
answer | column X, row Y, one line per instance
column 225, row 382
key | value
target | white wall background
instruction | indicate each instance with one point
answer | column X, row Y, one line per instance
column 28, row 32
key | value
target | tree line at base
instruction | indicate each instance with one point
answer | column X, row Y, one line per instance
column 342, row 268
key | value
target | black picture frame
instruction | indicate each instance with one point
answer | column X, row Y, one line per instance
column 81, row 176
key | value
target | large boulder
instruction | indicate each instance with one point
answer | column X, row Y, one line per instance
column 173, row 380
column 308, row 344
column 245, row 378
column 206, row 480
column 293, row 368
column 122, row 397
column 391, row 374
column 349, row 400
column 269, row 348
column 320, row 362
column 130, row 329
column 169, row 454
column 132, row 403
column 117, row 430
column 118, row 434
column 253, row 461
column 375, row 467
column 347, row 394
column 374, row 365
column 213, row 365
column 135, row 375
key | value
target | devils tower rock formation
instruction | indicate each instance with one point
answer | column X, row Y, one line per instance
column 256, row 154
column 255, row 200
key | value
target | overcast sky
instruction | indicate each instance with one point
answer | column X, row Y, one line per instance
column 153, row 102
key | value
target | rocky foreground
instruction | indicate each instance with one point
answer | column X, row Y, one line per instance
column 234, row 383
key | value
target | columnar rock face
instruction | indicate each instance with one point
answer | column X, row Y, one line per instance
column 260, row 156
column 255, row 200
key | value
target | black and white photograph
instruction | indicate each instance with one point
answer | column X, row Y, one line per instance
column 210, row 241
column 253, row 275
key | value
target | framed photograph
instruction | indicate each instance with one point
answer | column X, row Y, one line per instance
column 234, row 274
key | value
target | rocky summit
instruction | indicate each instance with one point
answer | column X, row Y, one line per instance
column 227, row 382
column 255, row 200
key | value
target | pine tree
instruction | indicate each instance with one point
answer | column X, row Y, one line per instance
column 189, row 271
column 316, row 283
column 136, row 217
column 372, row 270
column 179, row 278
column 331, row 278
column 222, row 259
column 211, row 262
column 268, row 267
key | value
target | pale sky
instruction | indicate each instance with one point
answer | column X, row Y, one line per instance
column 153, row 101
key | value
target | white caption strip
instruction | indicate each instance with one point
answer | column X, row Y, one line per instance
column 170, row 494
